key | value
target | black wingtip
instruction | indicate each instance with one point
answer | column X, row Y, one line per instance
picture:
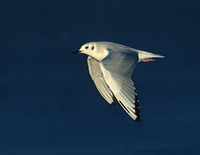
column 138, row 119
column 137, row 109
column 114, row 100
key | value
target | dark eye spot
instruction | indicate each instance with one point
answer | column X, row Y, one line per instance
column 86, row 47
column 92, row 48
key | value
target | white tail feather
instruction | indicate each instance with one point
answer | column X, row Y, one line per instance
column 147, row 55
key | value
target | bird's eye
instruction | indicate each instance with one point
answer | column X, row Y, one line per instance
column 86, row 47
column 92, row 47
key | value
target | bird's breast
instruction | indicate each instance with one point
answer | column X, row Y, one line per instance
column 100, row 55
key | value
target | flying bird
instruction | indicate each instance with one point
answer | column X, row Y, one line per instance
column 110, row 67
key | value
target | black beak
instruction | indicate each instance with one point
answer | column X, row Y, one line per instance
column 76, row 52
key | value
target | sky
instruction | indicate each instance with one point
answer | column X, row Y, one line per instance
column 49, row 104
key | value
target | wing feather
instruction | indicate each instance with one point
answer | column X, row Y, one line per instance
column 97, row 76
column 117, row 69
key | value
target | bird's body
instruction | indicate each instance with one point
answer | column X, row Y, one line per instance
column 111, row 66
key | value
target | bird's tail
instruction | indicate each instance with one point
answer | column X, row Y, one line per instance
column 147, row 55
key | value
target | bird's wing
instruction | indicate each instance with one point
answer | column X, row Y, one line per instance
column 97, row 76
column 117, row 68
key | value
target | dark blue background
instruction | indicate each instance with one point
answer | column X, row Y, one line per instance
column 48, row 102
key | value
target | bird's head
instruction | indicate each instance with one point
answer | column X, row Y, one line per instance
column 93, row 49
column 87, row 48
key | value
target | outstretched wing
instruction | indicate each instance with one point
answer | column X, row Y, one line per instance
column 97, row 76
column 117, row 69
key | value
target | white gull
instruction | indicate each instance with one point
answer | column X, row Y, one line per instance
column 111, row 66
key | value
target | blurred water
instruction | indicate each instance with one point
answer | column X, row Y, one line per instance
column 49, row 104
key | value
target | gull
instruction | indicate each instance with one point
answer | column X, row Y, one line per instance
column 110, row 67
